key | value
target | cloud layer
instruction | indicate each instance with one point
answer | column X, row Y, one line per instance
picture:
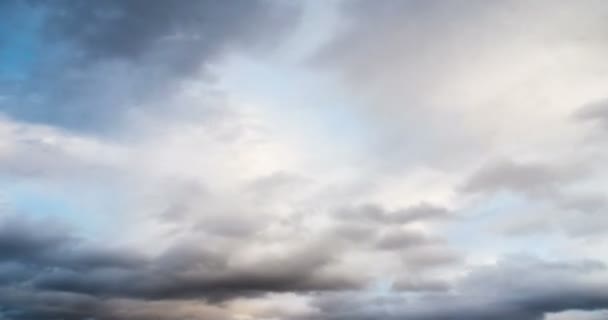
column 327, row 160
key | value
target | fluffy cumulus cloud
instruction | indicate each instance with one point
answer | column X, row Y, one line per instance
column 323, row 160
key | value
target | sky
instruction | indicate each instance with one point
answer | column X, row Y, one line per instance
column 303, row 160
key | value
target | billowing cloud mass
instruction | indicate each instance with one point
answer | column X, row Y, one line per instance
column 318, row 160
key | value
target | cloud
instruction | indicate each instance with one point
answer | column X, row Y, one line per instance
column 578, row 315
column 23, row 304
column 21, row 239
column 595, row 112
column 529, row 178
column 188, row 160
column 41, row 151
column 420, row 285
column 56, row 262
column 471, row 79
column 374, row 213
column 105, row 59
column 554, row 198
column 206, row 263
column 496, row 292
column 193, row 31
column 399, row 238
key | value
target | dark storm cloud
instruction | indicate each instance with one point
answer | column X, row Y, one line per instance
column 23, row 240
column 193, row 30
column 41, row 263
column 20, row 303
column 45, row 244
column 517, row 288
column 90, row 62
column 204, row 276
column 23, row 304
column 45, row 273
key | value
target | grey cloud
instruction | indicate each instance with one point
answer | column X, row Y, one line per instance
column 192, row 208
column 231, row 224
column 578, row 315
column 532, row 178
column 597, row 112
column 590, row 203
column 414, row 284
column 45, row 153
column 45, row 244
column 582, row 219
column 201, row 276
column 270, row 186
column 370, row 227
column 555, row 204
column 410, row 25
column 22, row 304
column 22, row 239
column 165, row 310
column 356, row 230
column 193, row 30
column 105, row 59
column 128, row 53
column 352, row 232
column 25, row 304
column 52, row 268
column 417, row 65
column 376, row 214
column 516, row 288
column 431, row 256
column 84, row 276
column 395, row 239
column 411, row 46
column 583, row 214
